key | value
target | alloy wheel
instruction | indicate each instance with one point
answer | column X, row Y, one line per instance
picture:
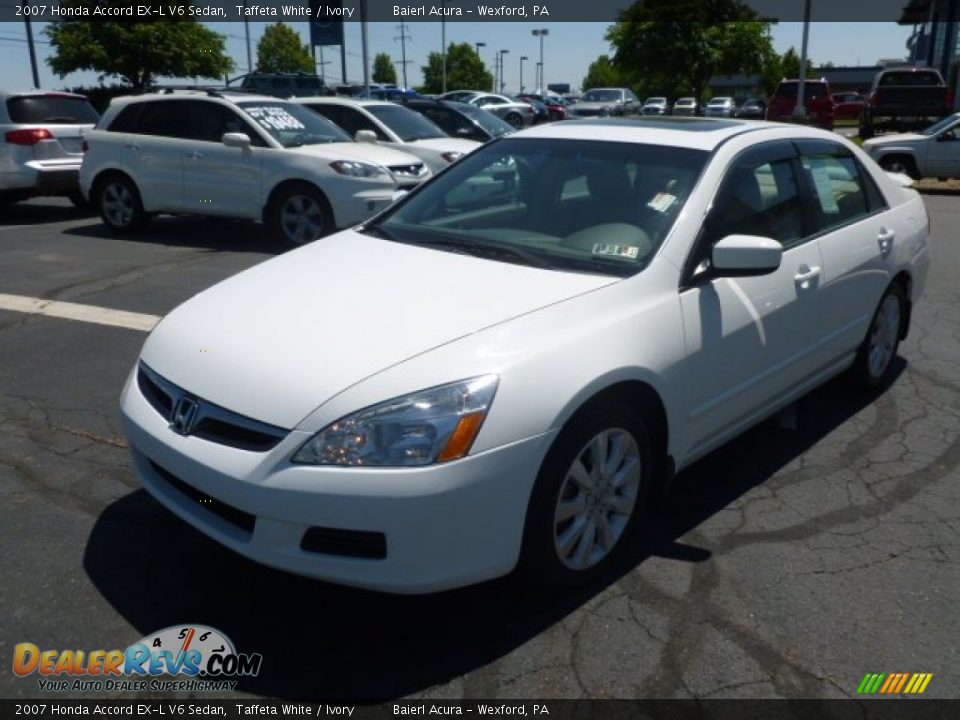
column 883, row 336
column 301, row 219
column 117, row 204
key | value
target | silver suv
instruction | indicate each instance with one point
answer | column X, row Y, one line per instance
column 42, row 135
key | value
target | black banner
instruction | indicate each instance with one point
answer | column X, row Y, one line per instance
column 326, row 25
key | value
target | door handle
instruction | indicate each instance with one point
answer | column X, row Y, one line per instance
column 885, row 239
column 194, row 155
column 805, row 275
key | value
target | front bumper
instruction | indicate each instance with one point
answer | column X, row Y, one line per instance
column 443, row 526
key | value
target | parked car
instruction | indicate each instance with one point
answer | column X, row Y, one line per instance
column 460, row 120
column 903, row 99
column 752, row 109
column 720, row 107
column 237, row 155
column 394, row 126
column 42, row 146
column 460, row 95
column 606, row 101
column 435, row 433
column 656, row 106
column 515, row 113
column 541, row 114
column 555, row 106
column 847, row 106
column 685, row 106
column 816, row 101
column 933, row 152
column 283, row 84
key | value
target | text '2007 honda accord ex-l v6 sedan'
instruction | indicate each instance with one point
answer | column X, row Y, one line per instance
column 499, row 369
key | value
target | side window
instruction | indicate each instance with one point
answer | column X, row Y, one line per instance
column 838, row 193
column 126, row 120
column 759, row 199
column 875, row 199
column 164, row 118
column 206, row 121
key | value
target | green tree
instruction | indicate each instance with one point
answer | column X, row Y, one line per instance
column 601, row 73
column 281, row 50
column 672, row 45
column 790, row 63
column 383, row 69
column 136, row 52
column 465, row 70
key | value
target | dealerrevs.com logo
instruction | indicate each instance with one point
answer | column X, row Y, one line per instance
column 203, row 654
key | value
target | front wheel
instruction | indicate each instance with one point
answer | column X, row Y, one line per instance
column 588, row 495
column 299, row 215
column 873, row 367
column 900, row 164
column 515, row 120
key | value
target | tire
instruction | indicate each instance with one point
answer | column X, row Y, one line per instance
column 900, row 164
column 873, row 367
column 79, row 201
column 515, row 120
column 118, row 202
column 556, row 550
column 299, row 214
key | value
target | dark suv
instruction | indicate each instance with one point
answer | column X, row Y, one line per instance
column 816, row 101
column 285, row 84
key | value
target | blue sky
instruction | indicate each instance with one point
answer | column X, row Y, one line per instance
column 568, row 49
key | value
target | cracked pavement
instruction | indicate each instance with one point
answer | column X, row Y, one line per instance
column 789, row 563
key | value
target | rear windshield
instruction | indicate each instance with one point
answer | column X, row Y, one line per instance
column 51, row 110
column 810, row 89
column 914, row 79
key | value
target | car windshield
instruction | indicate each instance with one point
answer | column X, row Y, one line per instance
column 656, row 101
column 942, row 125
column 293, row 125
column 568, row 205
column 487, row 120
column 407, row 124
column 51, row 109
column 685, row 101
column 929, row 79
column 601, row 96
column 810, row 90
column 720, row 101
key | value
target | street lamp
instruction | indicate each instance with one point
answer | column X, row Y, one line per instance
column 522, row 58
column 539, row 75
column 479, row 45
column 503, row 83
column 540, row 32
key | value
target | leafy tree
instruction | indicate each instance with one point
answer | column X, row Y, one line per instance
column 601, row 73
column 672, row 45
column 136, row 52
column 465, row 70
column 280, row 50
column 383, row 69
column 790, row 62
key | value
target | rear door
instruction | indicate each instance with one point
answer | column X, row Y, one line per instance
column 943, row 153
column 157, row 149
column 856, row 232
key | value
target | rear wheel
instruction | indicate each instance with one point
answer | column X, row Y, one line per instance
column 515, row 120
column 300, row 214
column 873, row 367
column 590, row 491
column 119, row 204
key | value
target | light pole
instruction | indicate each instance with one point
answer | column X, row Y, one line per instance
column 800, row 110
column 25, row 4
column 479, row 45
column 443, row 43
column 522, row 58
column 503, row 83
column 539, row 75
column 540, row 32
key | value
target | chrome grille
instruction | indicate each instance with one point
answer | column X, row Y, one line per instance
column 409, row 171
column 208, row 421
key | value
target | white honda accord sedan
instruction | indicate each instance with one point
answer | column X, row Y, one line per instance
column 500, row 369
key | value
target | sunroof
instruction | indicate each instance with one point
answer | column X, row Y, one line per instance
column 662, row 123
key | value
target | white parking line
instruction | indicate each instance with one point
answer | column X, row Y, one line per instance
column 81, row 313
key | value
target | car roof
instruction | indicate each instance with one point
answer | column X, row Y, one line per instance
column 335, row 100
column 698, row 133
column 228, row 95
column 40, row 93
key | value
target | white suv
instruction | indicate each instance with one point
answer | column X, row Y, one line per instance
column 41, row 148
column 393, row 125
column 240, row 156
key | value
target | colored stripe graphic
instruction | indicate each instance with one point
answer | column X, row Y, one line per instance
column 894, row 683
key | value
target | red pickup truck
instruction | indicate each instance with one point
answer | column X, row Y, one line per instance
column 903, row 99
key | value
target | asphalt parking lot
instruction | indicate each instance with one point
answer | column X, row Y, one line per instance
column 818, row 547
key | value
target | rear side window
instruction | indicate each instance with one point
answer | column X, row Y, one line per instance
column 915, row 79
column 165, row 119
column 838, row 189
column 51, row 110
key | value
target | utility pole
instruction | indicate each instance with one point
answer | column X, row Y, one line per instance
column 443, row 44
column 365, row 51
column 403, row 50
column 503, row 83
column 320, row 63
column 25, row 4
column 246, row 33
column 522, row 58
column 800, row 110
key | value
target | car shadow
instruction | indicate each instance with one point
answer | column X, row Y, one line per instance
column 40, row 211
column 191, row 232
column 322, row 641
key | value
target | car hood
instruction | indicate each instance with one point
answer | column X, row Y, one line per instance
column 896, row 139
column 277, row 341
column 446, row 144
column 364, row 152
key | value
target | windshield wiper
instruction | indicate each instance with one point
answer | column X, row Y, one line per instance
column 487, row 251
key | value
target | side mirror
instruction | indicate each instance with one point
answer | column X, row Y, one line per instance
column 742, row 255
column 365, row 136
column 236, row 139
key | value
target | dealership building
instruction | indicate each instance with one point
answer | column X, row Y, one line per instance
column 935, row 41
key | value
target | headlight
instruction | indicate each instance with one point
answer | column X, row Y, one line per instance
column 357, row 169
column 452, row 156
column 431, row 426
column 605, row 110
